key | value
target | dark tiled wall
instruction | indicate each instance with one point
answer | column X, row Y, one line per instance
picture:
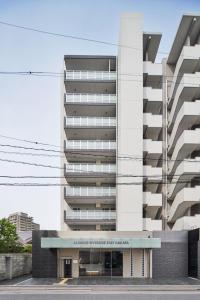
column 171, row 260
column 198, row 260
column 44, row 261
column 193, row 239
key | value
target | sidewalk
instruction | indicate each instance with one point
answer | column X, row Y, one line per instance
column 104, row 282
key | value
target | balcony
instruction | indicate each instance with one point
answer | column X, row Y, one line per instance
column 90, row 74
column 89, row 150
column 188, row 142
column 89, row 217
column 90, row 104
column 152, row 75
column 152, row 203
column 90, row 128
column 83, row 173
column 90, row 195
column 152, row 151
column 152, row 99
column 185, row 172
column 152, row 125
column 188, row 90
column 152, row 177
column 89, row 99
column 152, row 173
column 85, row 75
column 184, row 199
column 188, row 116
column 187, row 63
column 187, row 223
column 152, row 225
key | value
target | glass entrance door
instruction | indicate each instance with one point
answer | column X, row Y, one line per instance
column 95, row 262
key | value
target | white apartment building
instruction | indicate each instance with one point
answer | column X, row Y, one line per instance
column 182, row 99
column 113, row 136
column 131, row 138
column 23, row 222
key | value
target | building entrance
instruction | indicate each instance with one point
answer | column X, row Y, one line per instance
column 67, row 268
column 95, row 262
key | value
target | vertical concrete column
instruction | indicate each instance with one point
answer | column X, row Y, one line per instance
column 127, row 263
column 150, row 263
column 130, row 124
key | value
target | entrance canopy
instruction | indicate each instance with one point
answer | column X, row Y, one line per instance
column 117, row 243
column 101, row 239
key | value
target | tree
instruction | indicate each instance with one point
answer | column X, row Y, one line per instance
column 9, row 240
column 27, row 248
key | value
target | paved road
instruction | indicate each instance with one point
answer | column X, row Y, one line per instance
column 63, row 294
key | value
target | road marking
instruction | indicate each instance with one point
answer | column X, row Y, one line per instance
column 194, row 278
column 22, row 281
column 63, row 281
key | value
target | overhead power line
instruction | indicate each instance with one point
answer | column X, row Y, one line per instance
column 69, row 36
column 93, row 172
column 62, row 74
column 36, row 184
column 155, row 83
column 28, row 141
column 63, row 177
column 128, row 157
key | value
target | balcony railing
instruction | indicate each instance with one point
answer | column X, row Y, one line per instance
column 72, row 191
column 90, row 75
column 90, row 215
column 89, row 145
column 90, row 168
column 90, row 98
column 90, row 121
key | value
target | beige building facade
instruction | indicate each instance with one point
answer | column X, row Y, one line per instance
column 23, row 222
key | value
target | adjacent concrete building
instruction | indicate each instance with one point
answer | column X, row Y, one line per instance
column 182, row 99
column 130, row 137
column 23, row 222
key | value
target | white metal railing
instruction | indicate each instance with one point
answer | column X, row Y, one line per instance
column 82, row 191
column 90, row 145
column 90, row 168
column 90, row 215
column 90, row 75
column 90, row 98
column 90, row 121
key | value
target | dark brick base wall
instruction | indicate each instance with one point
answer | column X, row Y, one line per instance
column 193, row 240
column 44, row 261
column 170, row 261
column 198, row 260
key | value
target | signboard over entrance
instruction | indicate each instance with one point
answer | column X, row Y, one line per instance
column 101, row 243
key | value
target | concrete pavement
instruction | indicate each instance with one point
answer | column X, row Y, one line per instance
column 33, row 293
column 50, row 288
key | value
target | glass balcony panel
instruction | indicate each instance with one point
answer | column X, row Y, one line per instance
column 91, row 215
column 90, row 121
column 90, row 168
column 90, row 75
column 90, row 145
column 90, row 98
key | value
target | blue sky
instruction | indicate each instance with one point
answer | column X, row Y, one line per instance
column 29, row 106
